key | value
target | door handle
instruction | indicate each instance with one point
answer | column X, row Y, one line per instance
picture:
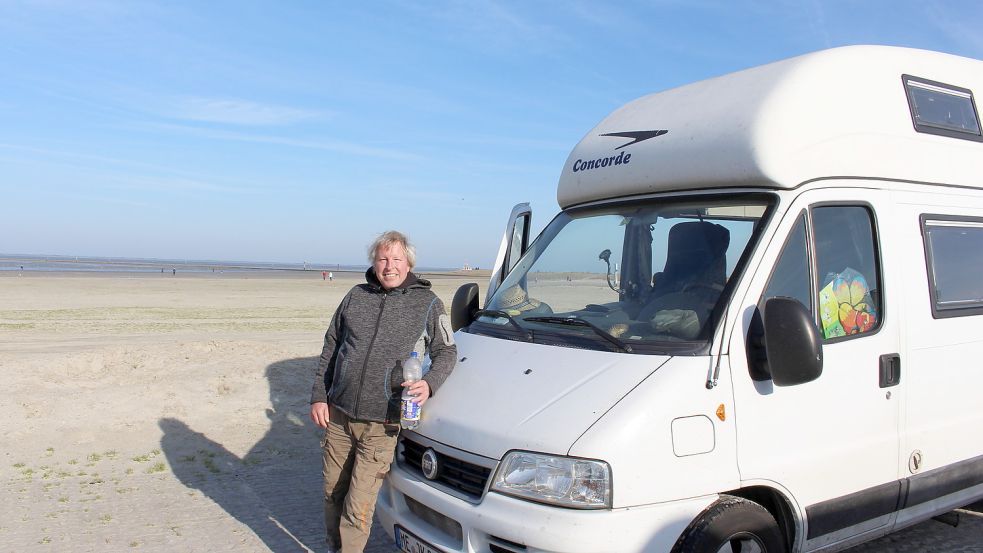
column 890, row 370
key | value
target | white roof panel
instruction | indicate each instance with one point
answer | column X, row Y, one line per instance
column 836, row 113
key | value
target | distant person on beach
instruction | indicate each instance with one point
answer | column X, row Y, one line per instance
column 324, row 275
column 330, row 275
column 376, row 327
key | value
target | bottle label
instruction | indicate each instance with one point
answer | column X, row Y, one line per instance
column 409, row 410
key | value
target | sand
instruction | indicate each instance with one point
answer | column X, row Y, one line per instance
column 169, row 413
column 135, row 404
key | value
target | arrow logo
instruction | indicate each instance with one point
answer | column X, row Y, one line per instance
column 636, row 136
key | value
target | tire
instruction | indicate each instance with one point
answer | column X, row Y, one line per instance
column 732, row 525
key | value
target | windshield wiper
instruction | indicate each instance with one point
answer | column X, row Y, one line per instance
column 572, row 320
column 503, row 315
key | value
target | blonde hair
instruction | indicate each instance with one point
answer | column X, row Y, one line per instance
column 390, row 238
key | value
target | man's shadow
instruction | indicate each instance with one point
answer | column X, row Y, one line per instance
column 275, row 489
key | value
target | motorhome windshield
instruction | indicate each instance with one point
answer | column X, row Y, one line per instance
column 643, row 275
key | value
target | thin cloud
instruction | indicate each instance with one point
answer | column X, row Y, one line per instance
column 494, row 26
column 515, row 142
column 240, row 112
column 90, row 9
column 90, row 168
column 607, row 16
column 964, row 30
column 324, row 145
column 818, row 23
column 53, row 153
column 408, row 192
column 108, row 200
column 173, row 184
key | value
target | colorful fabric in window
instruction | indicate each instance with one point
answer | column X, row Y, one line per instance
column 845, row 305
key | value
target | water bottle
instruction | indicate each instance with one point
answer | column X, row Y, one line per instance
column 409, row 410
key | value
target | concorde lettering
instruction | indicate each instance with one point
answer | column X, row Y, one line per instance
column 622, row 158
column 581, row 165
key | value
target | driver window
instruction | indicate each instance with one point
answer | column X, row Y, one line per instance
column 848, row 295
column 790, row 278
column 791, row 275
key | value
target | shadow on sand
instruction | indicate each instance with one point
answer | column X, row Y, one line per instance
column 275, row 489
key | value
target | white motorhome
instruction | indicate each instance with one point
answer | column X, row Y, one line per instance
column 757, row 323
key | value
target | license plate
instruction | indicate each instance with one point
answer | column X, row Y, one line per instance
column 408, row 543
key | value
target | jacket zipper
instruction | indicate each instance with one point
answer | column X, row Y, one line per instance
column 368, row 352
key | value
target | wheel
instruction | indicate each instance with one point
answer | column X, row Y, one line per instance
column 732, row 525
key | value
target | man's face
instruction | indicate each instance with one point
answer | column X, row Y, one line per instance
column 391, row 266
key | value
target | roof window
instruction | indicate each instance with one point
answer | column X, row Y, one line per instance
column 942, row 109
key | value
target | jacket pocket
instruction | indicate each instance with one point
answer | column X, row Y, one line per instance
column 393, row 377
column 339, row 383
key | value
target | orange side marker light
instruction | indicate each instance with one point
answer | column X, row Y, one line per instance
column 720, row 413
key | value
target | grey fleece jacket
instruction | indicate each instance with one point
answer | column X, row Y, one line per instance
column 371, row 334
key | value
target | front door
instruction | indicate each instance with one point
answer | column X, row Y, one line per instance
column 515, row 242
column 831, row 444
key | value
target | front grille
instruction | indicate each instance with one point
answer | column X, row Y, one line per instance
column 460, row 475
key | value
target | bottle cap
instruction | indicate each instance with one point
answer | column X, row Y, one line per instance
column 413, row 354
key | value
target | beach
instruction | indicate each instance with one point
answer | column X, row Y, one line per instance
column 164, row 413
column 160, row 412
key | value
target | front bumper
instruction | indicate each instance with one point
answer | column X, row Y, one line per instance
column 505, row 524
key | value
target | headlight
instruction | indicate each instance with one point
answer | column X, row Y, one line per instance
column 563, row 481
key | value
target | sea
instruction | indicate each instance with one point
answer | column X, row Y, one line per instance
column 71, row 263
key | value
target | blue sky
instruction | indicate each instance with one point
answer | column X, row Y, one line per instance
column 297, row 131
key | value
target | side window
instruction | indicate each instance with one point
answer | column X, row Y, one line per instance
column 848, row 295
column 791, row 275
column 789, row 278
column 954, row 249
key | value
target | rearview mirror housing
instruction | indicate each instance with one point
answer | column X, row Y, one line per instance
column 464, row 306
column 792, row 342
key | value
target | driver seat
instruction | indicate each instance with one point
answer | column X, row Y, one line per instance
column 696, row 255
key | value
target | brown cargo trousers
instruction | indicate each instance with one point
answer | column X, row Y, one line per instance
column 357, row 455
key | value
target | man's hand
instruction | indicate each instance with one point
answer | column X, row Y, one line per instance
column 319, row 414
column 420, row 389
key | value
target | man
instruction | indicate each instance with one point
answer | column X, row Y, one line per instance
column 357, row 389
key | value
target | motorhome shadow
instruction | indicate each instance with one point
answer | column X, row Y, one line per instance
column 761, row 334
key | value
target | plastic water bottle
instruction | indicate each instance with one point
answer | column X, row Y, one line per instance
column 409, row 410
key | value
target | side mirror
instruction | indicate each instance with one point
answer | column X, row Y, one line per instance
column 792, row 342
column 464, row 306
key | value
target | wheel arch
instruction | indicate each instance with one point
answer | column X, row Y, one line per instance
column 775, row 503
